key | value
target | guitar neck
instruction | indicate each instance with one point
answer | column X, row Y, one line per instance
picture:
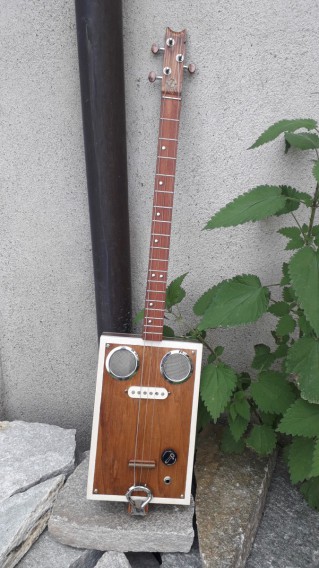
column 162, row 217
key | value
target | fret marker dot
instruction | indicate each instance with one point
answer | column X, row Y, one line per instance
column 153, row 275
column 160, row 183
column 149, row 321
column 163, row 147
column 151, row 304
column 161, row 275
column 158, row 214
column 155, row 240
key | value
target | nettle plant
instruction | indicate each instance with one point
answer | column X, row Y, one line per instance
column 279, row 403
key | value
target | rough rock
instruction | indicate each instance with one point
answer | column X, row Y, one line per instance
column 102, row 525
column 113, row 560
column 230, row 498
column 23, row 517
column 142, row 560
column 31, row 453
column 48, row 553
column 189, row 559
column 288, row 535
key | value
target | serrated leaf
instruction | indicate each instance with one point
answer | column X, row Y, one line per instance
column 285, row 278
column 237, row 301
column 204, row 301
column 258, row 203
column 263, row 357
column 303, row 140
column 315, row 170
column 219, row 350
column 286, row 325
column 294, row 244
column 294, row 199
column 289, row 232
column 139, row 316
column 281, row 351
column 244, row 381
column 304, row 325
column 174, row 292
column 284, row 126
column 272, row 392
column 315, row 229
column 315, row 460
column 288, row 294
column 310, row 491
column 262, row 439
column 268, row 418
column 238, row 426
column 303, row 360
column 304, row 275
column 301, row 419
column 229, row 445
column 217, row 384
column 168, row 331
column 203, row 416
column 279, row 309
column 300, row 457
column 241, row 405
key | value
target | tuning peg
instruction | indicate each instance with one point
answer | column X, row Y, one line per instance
column 152, row 76
column 155, row 48
column 191, row 68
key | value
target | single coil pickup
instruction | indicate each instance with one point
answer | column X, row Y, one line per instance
column 156, row 393
column 142, row 463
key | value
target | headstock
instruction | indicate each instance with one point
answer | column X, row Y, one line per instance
column 173, row 62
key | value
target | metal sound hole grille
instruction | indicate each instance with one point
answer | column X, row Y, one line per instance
column 122, row 363
column 176, row 367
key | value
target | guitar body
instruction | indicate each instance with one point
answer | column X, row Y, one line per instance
column 145, row 439
column 145, row 411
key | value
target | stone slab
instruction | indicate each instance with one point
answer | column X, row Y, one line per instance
column 23, row 517
column 31, row 453
column 142, row 560
column 113, row 560
column 103, row 525
column 288, row 535
column 189, row 559
column 48, row 553
column 230, row 497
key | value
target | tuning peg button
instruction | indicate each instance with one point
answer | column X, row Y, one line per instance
column 191, row 68
column 156, row 49
column 152, row 77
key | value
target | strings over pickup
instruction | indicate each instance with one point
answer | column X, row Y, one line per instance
column 148, row 392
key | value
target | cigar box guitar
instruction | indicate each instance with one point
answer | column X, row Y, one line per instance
column 145, row 412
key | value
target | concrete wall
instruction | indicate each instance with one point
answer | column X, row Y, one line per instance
column 257, row 63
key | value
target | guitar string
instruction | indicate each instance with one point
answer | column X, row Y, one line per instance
column 178, row 108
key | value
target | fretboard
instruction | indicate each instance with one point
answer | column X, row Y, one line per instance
column 161, row 218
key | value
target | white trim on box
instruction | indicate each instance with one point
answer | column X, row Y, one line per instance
column 135, row 340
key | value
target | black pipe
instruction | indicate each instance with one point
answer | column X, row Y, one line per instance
column 100, row 47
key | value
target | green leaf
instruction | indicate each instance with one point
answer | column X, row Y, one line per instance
column 203, row 416
column 229, row 445
column 288, row 294
column 244, row 381
column 315, row 171
column 294, row 199
column 303, row 360
column 315, row 460
column 310, row 491
column 258, row 203
column 279, row 309
column 300, row 457
column 219, row 350
column 304, row 274
column 268, row 418
column 139, row 316
column 204, row 301
column 315, row 228
column 303, row 140
column 289, row 232
column 284, row 126
column 238, row 426
column 262, row 439
column 281, row 351
column 241, row 405
column 168, row 331
column 285, row 325
column 304, row 325
column 272, row 392
column 217, row 384
column 294, row 244
column 301, row 419
column 174, row 292
column 237, row 301
column 263, row 357
column 285, row 278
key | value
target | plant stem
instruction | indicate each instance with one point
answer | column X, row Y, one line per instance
column 269, row 285
column 295, row 218
column 313, row 211
column 180, row 317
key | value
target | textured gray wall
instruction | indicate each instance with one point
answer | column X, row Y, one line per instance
column 257, row 63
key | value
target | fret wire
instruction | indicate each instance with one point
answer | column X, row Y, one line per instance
column 157, row 291
column 152, row 317
column 156, row 309
column 165, row 175
column 162, row 191
column 171, row 119
column 172, row 98
column 160, row 234
column 150, row 325
column 162, row 301
column 153, row 333
column 164, row 206
column 161, row 248
column 157, row 281
column 166, row 157
column 161, row 259
column 159, row 221
column 171, row 139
